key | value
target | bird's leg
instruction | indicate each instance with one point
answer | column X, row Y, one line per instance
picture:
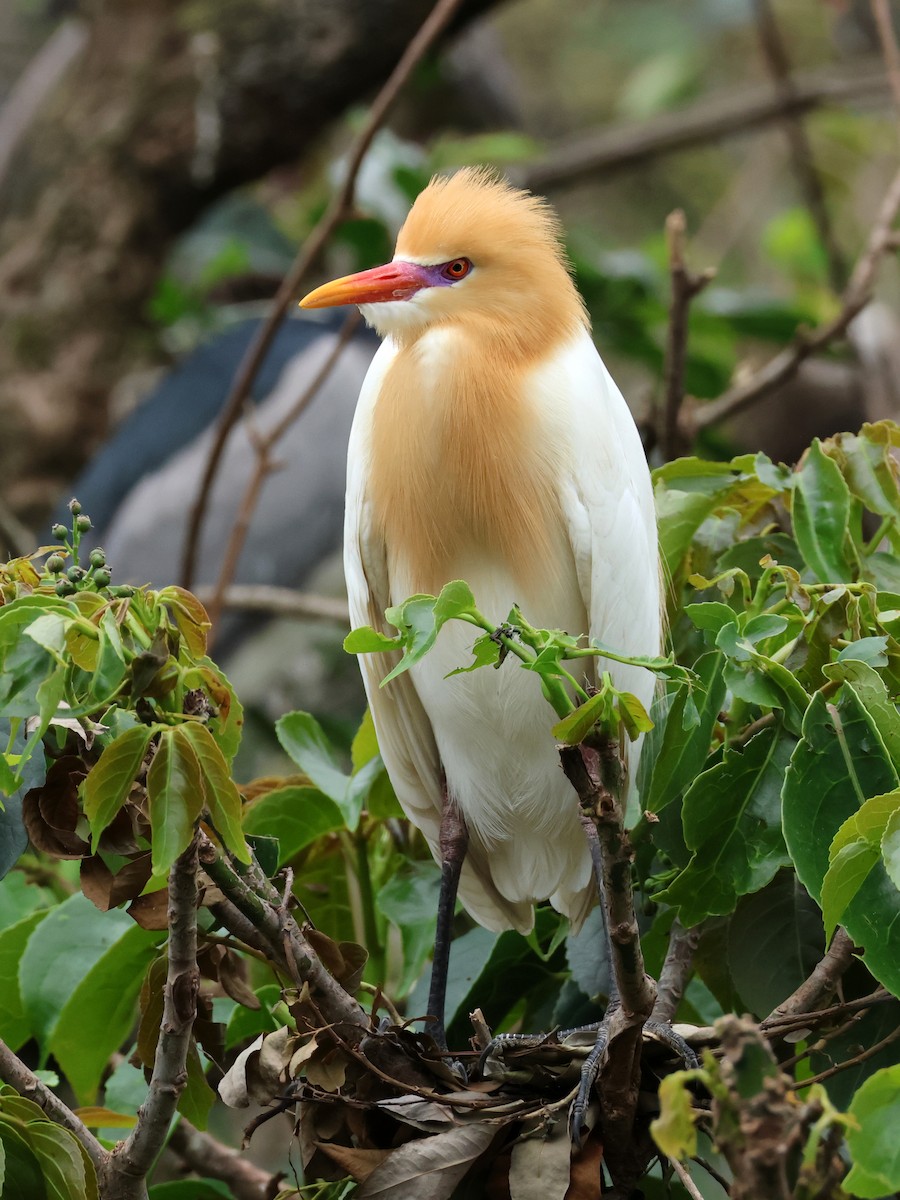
column 454, row 841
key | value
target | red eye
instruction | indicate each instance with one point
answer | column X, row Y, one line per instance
column 458, row 269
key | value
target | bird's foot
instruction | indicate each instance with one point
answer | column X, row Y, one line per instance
column 541, row 1059
column 659, row 1031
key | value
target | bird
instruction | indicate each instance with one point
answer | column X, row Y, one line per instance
column 491, row 444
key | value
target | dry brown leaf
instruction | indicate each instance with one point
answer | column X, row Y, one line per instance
column 428, row 1168
column 585, row 1171
column 358, row 1163
column 421, row 1114
column 233, row 978
column 328, row 1070
column 150, row 911
column 233, row 1088
column 539, row 1167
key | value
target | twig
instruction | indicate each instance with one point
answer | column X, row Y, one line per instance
column 14, row 1072
column 822, row 981
column 280, row 602
column 779, row 66
column 265, row 464
column 685, row 286
column 783, row 366
column 711, row 1171
column 208, row 1156
column 338, row 210
column 850, row 1062
column 881, row 11
column 36, row 83
column 131, row 1161
column 686, row 1182
column 676, row 970
column 717, row 116
column 258, row 901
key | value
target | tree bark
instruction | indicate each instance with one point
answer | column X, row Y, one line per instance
column 170, row 104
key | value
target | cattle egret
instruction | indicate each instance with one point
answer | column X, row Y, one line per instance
column 491, row 444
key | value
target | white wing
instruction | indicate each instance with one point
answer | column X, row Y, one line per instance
column 405, row 736
column 607, row 501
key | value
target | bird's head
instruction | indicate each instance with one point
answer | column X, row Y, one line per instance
column 474, row 251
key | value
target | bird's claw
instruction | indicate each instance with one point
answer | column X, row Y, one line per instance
column 589, row 1072
column 664, row 1033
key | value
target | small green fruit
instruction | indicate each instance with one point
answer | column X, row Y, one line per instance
column 74, row 507
column 98, row 558
column 55, row 564
column 102, row 578
column 82, row 524
column 64, row 588
column 59, row 532
column 76, row 574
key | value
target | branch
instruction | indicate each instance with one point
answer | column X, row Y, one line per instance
column 36, row 83
column 598, row 793
column 676, row 971
column 718, row 116
column 279, row 601
column 258, row 901
column 857, row 294
column 14, row 1072
column 685, row 286
column 779, row 67
column 265, row 464
column 822, row 981
column 340, row 208
column 208, row 1156
column 881, row 11
column 131, row 1161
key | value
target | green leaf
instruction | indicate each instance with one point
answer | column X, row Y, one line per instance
column 821, row 515
column 486, row 651
column 49, row 631
column 22, row 1174
column 197, row 1099
column 365, row 742
column 246, row 1023
column 890, row 848
column 873, row 1144
column 711, row 616
column 674, row 1130
column 64, row 947
column 296, row 816
column 190, row 1189
column 872, row 694
column 96, row 1018
column 840, row 763
column 673, row 754
column 108, row 783
column 223, row 801
column 845, row 876
column 68, row 1174
column 774, row 940
column 366, row 640
column 732, row 822
column 420, row 618
column 871, row 650
column 578, row 724
column 175, row 793
column 15, row 1022
column 409, row 900
column 303, row 738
